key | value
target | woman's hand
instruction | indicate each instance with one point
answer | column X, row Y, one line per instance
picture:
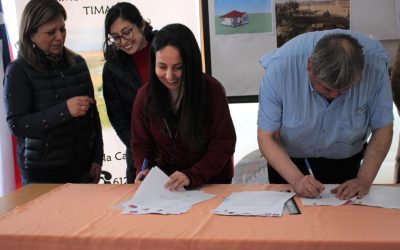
column 95, row 172
column 177, row 181
column 79, row 105
column 140, row 177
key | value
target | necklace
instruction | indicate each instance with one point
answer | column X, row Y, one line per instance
column 173, row 139
column 169, row 130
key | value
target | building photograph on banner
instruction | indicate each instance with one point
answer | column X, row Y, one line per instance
column 85, row 36
column 240, row 32
column 238, row 17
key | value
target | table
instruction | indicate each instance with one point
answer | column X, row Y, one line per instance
column 81, row 216
column 24, row 195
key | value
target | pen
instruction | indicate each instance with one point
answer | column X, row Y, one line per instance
column 309, row 167
column 310, row 171
column 144, row 165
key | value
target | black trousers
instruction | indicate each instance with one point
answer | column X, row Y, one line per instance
column 130, row 168
column 328, row 171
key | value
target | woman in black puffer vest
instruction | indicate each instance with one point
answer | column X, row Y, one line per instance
column 50, row 102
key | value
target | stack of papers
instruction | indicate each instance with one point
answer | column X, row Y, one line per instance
column 153, row 198
column 255, row 203
column 378, row 196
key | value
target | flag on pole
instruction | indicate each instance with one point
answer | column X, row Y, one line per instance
column 7, row 173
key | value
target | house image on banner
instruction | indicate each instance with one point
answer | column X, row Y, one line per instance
column 234, row 18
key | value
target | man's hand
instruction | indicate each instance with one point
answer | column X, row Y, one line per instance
column 354, row 187
column 308, row 187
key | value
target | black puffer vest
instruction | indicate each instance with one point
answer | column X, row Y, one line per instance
column 69, row 146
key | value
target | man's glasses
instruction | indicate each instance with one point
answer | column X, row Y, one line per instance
column 125, row 34
column 334, row 91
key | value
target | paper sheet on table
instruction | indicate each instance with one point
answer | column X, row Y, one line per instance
column 378, row 196
column 153, row 197
column 255, row 203
column 381, row 196
column 327, row 198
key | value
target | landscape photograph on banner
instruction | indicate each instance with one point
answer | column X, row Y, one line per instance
column 243, row 16
column 294, row 17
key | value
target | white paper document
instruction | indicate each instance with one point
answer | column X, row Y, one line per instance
column 153, row 197
column 327, row 198
column 378, row 196
column 381, row 196
column 255, row 203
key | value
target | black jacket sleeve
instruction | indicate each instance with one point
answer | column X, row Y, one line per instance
column 116, row 109
column 18, row 100
column 98, row 143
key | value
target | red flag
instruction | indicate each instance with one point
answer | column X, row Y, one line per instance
column 7, row 154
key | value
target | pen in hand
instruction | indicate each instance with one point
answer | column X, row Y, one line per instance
column 144, row 165
column 310, row 171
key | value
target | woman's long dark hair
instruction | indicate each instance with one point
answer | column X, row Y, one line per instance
column 128, row 12
column 194, row 102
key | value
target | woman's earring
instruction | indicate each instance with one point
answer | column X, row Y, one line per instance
column 33, row 45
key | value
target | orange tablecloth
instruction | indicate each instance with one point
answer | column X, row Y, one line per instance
column 76, row 216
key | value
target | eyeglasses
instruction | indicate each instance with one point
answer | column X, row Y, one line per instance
column 326, row 91
column 125, row 34
column 334, row 91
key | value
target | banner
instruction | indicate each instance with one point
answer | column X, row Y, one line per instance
column 85, row 35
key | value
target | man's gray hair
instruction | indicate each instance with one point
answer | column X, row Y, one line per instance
column 337, row 61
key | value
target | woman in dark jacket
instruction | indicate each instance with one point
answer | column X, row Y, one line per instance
column 50, row 102
column 126, row 46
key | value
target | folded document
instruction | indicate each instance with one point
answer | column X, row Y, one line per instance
column 255, row 203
